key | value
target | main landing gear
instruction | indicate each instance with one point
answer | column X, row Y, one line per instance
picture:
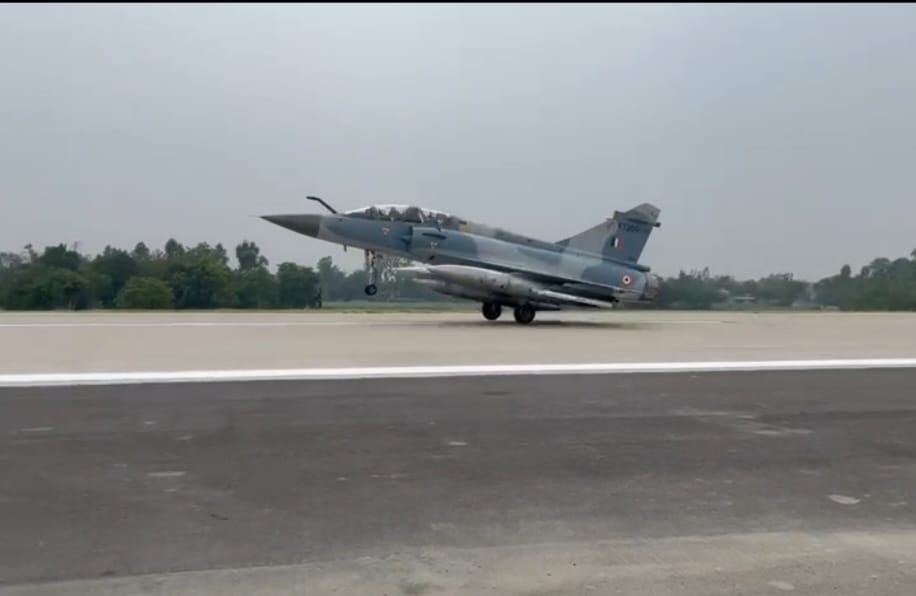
column 492, row 310
column 524, row 314
column 372, row 288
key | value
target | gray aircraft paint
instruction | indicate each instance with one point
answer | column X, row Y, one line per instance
column 593, row 264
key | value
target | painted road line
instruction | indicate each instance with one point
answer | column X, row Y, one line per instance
column 390, row 372
column 332, row 323
column 179, row 324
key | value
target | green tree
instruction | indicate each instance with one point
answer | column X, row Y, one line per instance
column 9, row 263
column 153, row 263
column 695, row 290
column 780, row 289
column 249, row 256
column 145, row 293
column 298, row 285
column 173, row 249
column 141, row 253
column 61, row 257
column 256, row 288
column 332, row 280
column 220, row 251
column 200, row 279
column 47, row 288
column 116, row 266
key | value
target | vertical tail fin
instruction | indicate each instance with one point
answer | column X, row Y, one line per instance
column 624, row 236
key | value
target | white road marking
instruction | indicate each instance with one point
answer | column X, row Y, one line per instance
column 843, row 499
column 184, row 324
column 38, row 429
column 168, row 474
column 394, row 372
column 334, row 323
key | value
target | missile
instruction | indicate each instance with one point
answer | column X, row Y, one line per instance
column 456, row 291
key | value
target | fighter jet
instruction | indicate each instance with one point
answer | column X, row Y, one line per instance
column 597, row 268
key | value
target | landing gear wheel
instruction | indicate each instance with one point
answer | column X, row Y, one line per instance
column 371, row 257
column 524, row 314
column 491, row 311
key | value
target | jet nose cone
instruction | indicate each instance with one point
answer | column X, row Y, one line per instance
column 303, row 224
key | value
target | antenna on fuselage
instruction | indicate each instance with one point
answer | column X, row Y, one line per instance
column 322, row 201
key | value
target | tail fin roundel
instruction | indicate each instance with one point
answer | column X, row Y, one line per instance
column 624, row 236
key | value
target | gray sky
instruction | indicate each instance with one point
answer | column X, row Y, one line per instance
column 773, row 138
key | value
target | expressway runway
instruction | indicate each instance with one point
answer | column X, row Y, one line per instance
column 750, row 483
column 72, row 343
column 702, row 483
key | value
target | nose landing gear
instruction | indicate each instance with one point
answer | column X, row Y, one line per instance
column 372, row 288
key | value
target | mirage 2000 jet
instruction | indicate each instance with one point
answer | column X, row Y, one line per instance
column 597, row 268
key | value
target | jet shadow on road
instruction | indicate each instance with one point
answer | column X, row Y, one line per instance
column 631, row 326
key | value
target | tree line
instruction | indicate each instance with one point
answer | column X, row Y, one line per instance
column 180, row 277
column 883, row 284
column 206, row 277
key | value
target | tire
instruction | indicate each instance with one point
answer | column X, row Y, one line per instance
column 491, row 311
column 371, row 290
column 524, row 314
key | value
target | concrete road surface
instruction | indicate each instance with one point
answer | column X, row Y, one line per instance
column 73, row 343
column 709, row 484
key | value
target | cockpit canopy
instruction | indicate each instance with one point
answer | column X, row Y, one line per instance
column 408, row 214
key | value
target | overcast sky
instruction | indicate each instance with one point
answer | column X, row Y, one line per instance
column 773, row 138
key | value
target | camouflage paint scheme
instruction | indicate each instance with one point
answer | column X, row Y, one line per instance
column 595, row 268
